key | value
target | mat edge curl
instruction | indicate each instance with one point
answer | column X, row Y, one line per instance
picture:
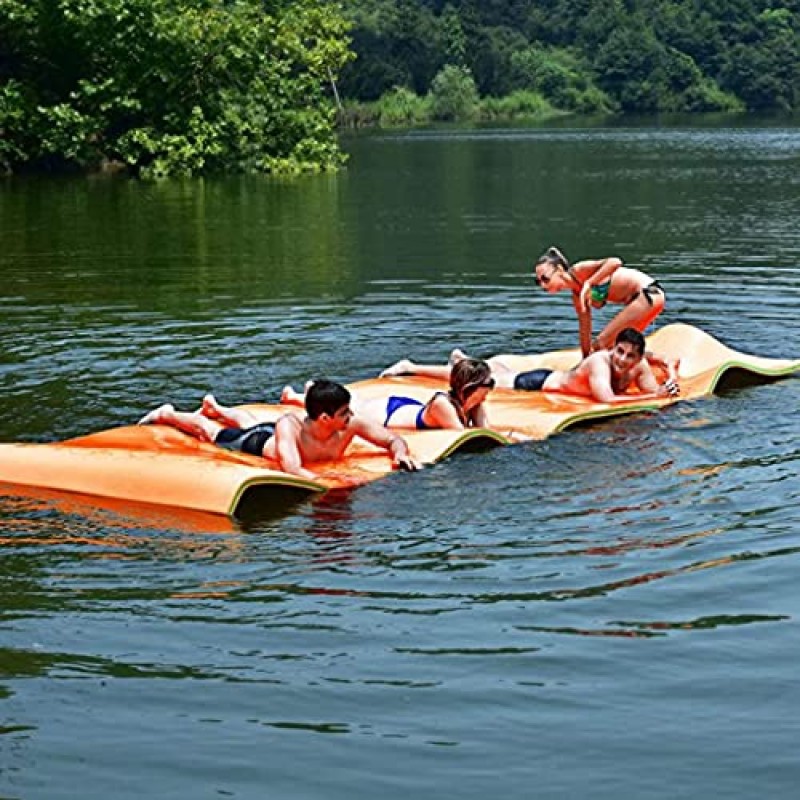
column 607, row 413
column 752, row 369
column 474, row 434
column 312, row 487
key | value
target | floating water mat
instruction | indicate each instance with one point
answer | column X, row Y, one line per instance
column 158, row 464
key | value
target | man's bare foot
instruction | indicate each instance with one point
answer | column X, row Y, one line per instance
column 155, row 416
column 210, row 407
column 402, row 367
column 456, row 356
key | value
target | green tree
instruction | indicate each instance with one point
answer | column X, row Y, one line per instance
column 170, row 86
column 560, row 76
column 628, row 68
column 452, row 37
column 395, row 45
column 638, row 55
column 766, row 73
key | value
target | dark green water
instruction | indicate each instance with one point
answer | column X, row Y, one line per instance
column 611, row 613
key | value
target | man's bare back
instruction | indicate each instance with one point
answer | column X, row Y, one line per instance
column 322, row 435
column 310, row 446
column 595, row 376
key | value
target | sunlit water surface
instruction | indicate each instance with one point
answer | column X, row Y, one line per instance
column 610, row 613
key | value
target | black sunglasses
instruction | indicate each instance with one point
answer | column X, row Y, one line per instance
column 473, row 387
column 544, row 279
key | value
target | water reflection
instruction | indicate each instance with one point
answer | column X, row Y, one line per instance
column 23, row 503
column 646, row 630
column 566, row 597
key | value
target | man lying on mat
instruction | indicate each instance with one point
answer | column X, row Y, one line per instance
column 324, row 434
column 605, row 375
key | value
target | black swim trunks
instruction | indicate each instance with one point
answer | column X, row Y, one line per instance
column 246, row 440
column 532, row 381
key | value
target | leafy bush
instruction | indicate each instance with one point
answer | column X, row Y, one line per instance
column 13, row 117
column 561, row 77
column 401, row 106
column 707, row 96
column 517, row 105
column 354, row 114
column 453, row 94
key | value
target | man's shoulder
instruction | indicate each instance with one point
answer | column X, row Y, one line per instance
column 288, row 422
column 598, row 359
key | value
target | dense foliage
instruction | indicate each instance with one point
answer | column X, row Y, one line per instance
column 585, row 55
column 191, row 86
column 169, row 86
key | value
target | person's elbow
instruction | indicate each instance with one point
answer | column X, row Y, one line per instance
column 603, row 394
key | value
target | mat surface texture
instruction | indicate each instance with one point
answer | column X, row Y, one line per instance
column 157, row 464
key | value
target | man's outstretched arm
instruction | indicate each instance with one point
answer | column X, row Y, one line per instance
column 380, row 436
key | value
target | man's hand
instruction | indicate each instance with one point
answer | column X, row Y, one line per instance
column 669, row 388
column 407, row 463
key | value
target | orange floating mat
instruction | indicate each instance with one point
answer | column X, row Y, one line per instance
column 157, row 464
column 706, row 365
column 152, row 464
column 161, row 465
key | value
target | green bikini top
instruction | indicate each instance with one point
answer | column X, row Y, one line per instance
column 599, row 294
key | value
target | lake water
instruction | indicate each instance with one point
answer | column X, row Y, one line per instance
column 610, row 613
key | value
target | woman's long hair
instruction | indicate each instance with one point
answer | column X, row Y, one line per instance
column 466, row 376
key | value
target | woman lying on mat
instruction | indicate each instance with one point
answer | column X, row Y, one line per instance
column 594, row 283
column 324, row 434
column 462, row 407
column 603, row 376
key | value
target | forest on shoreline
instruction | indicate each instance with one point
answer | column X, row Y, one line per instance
column 418, row 60
column 187, row 87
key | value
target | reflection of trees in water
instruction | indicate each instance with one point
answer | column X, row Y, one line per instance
column 173, row 241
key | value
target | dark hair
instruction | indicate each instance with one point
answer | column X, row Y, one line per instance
column 554, row 256
column 325, row 397
column 631, row 336
column 468, row 375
